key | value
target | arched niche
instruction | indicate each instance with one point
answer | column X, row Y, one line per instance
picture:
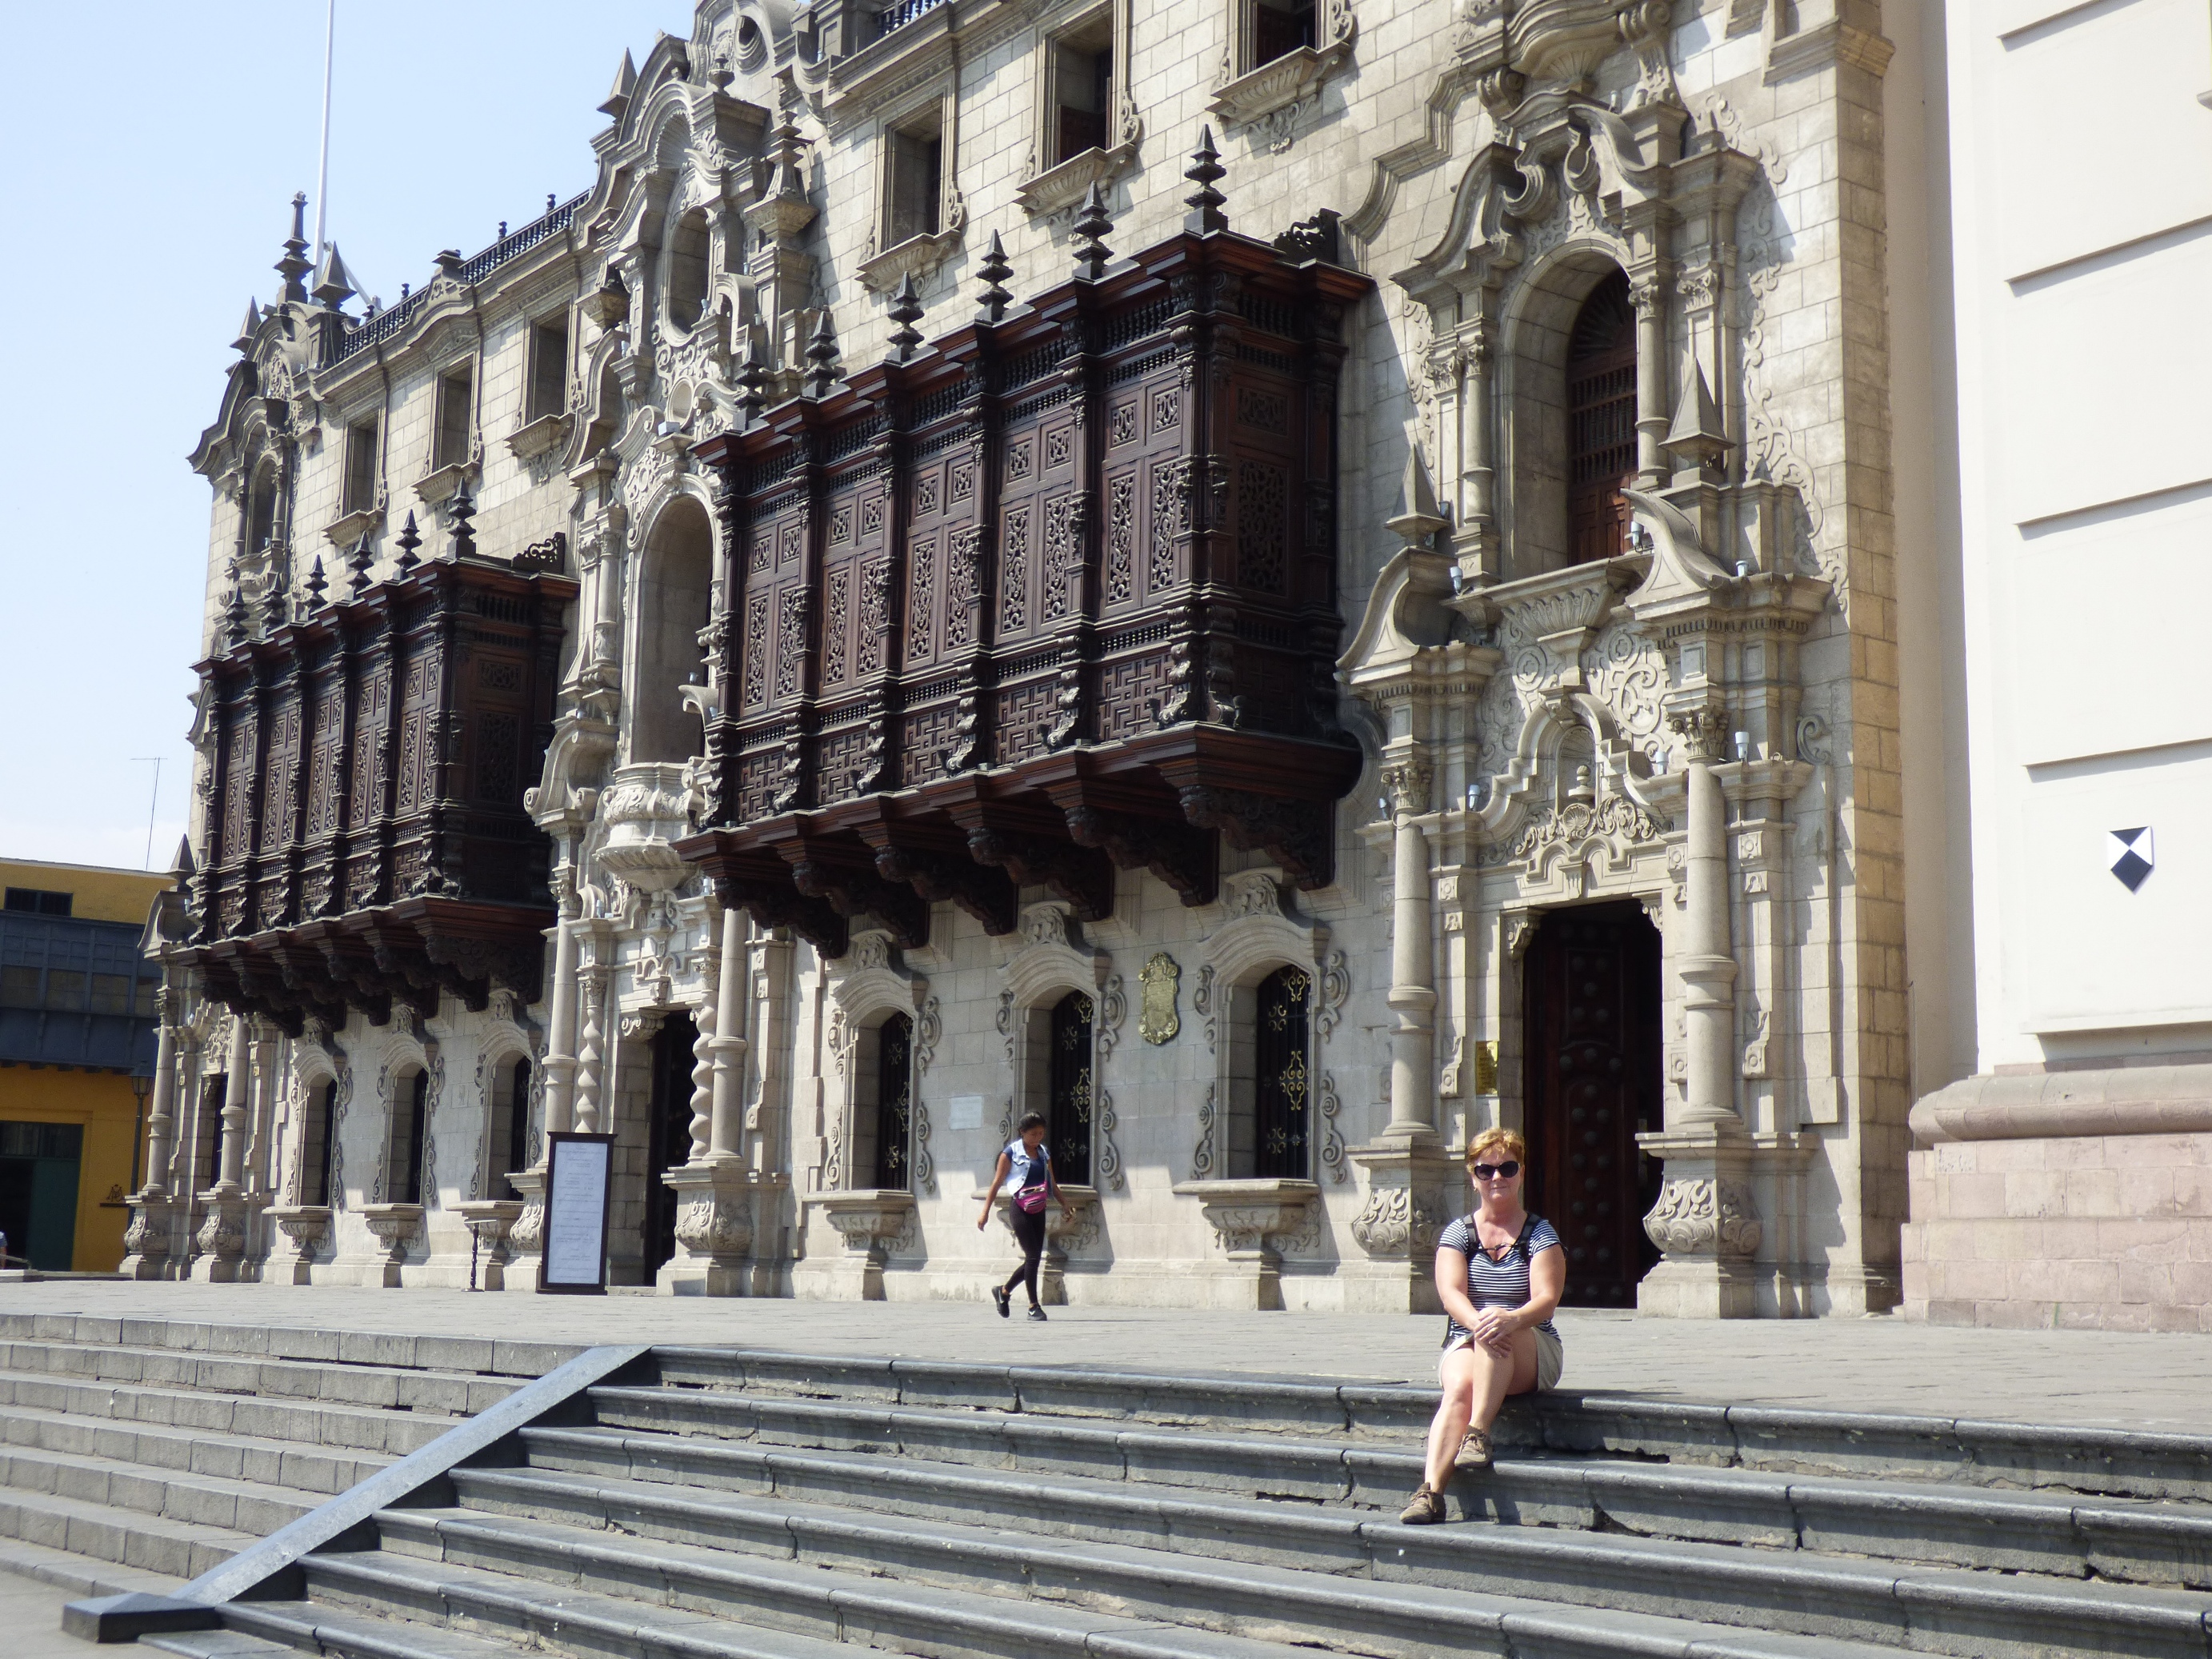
column 870, row 988
column 672, row 602
column 1539, row 336
column 1240, row 964
column 687, row 263
column 1050, row 966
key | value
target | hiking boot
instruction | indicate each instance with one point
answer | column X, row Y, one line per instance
column 1425, row 1510
column 1005, row 1303
column 1037, row 1313
column 1474, row 1451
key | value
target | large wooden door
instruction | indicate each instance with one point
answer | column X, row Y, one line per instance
column 1594, row 1076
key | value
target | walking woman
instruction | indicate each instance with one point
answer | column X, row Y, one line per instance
column 1028, row 1166
column 1500, row 1273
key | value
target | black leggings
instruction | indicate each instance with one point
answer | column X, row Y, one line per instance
column 1029, row 1230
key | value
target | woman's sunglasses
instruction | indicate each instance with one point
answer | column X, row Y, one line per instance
column 1508, row 1169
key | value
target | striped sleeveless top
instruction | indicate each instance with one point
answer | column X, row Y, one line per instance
column 1496, row 1283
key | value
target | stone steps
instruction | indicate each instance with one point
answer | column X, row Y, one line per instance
column 746, row 1506
column 1447, row 1574
column 1071, row 1609
column 2006, row 1531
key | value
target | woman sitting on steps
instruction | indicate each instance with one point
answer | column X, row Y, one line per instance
column 1500, row 1273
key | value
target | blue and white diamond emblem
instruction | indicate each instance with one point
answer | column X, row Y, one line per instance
column 2131, row 856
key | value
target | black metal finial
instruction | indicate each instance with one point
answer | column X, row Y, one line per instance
column 409, row 540
column 822, row 358
column 460, row 509
column 359, row 558
column 549, row 201
column 753, row 377
column 906, row 311
column 296, row 263
column 995, row 270
column 275, row 609
column 1092, row 256
column 238, row 622
column 358, row 561
column 315, row 585
column 1205, row 203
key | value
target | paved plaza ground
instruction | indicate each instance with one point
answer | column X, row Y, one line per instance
column 1885, row 1364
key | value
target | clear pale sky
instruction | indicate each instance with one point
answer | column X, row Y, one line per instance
column 156, row 147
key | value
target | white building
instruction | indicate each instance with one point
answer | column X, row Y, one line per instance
column 1277, row 661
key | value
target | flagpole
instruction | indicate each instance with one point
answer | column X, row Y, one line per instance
column 323, row 156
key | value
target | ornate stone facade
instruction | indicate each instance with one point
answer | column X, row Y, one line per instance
column 1134, row 585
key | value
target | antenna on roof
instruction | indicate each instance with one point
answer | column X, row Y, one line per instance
column 323, row 155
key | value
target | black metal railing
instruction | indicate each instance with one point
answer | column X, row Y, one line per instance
column 382, row 325
column 898, row 16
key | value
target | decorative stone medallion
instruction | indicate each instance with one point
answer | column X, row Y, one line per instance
column 1157, row 1022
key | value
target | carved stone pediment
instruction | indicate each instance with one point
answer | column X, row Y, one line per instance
column 915, row 257
column 1548, row 39
column 1058, row 188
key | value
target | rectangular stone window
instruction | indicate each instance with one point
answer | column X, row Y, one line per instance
column 549, row 367
column 450, row 439
column 359, row 495
column 1273, row 28
column 1079, row 95
column 913, row 203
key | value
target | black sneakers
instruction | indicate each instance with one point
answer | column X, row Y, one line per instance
column 1005, row 1303
column 1037, row 1313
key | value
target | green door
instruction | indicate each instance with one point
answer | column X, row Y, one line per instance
column 37, row 1191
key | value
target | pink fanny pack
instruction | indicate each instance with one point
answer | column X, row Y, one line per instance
column 1031, row 1199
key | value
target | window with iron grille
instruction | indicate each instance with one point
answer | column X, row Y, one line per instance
column 1067, row 1108
column 1600, row 421
column 894, row 1103
column 1283, row 1083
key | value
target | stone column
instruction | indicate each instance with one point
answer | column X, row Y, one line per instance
column 1477, row 535
column 1706, row 1221
column 147, row 1239
column 1646, row 293
column 592, row 991
column 561, row 1023
column 1706, row 965
column 221, row 1240
column 1412, row 995
column 714, row 1191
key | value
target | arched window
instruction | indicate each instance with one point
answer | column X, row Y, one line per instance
column 673, row 602
column 1282, row 1084
column 261, row 508
column 1600, row 421
column 893, row 1109
column 511, row 1124
column 317, row 1145
column 1067, row 1103
column 403, row 1176
column 687, row 270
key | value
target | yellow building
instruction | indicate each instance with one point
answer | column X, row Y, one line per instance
column 76, row 1023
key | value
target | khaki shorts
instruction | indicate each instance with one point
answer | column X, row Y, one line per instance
column 1550, row 1358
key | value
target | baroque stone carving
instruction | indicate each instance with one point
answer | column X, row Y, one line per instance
column 1393, row 1221
column 1616, row 817
column 1158, row 1020
column 1703, row 1216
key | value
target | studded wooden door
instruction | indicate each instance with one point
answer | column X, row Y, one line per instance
column 1068, row 1115
column 668, row 1133
column 1593, row 1081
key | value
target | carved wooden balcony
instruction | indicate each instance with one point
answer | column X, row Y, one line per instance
column 365, row 840
column 1056, row 595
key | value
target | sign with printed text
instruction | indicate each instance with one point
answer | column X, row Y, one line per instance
column 579, row 1171
column 964, row 1112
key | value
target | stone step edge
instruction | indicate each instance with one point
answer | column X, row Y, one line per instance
column 984, row 1484
column 137, row 1427
column 322, row 1370
column 260, row 1492
column 309, row 1627
column 464, row 1355
column 80, row 1575
column 1680, row 1561
column 221, row 1542
column 1322, row 1452
column 283, row 1402
column 1641, row 1634
column 1567, row 1418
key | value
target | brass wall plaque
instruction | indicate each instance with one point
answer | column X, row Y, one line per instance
column 1157, row 1019
column 1486, row 1068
